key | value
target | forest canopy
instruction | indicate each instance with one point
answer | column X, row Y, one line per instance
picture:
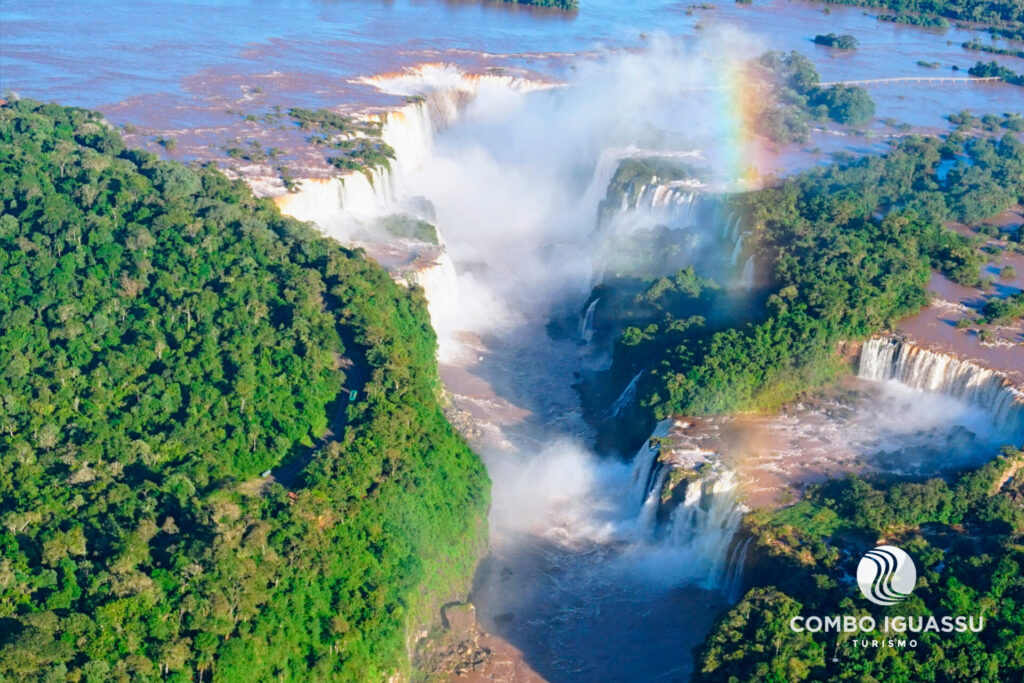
column 167, row 337
column 1004, row 17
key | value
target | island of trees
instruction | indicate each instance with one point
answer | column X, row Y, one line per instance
column 992, row 49
column 167, row 339
column 843, row 42
column 794, row 99
column 987, row 70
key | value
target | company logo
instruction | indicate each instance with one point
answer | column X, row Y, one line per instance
column 886, row 575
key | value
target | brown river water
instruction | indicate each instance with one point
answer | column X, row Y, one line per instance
column 578, row 580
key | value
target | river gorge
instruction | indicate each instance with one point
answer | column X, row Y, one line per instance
column 611, row 554
column 587, row 547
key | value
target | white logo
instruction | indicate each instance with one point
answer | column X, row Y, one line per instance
column 886, row 575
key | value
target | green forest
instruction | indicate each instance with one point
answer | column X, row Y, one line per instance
column 849, row 249
column 795, row 99
column 1003, row 17
column 964, row 538
column 169, row 338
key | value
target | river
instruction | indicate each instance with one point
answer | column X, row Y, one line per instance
column 580, row 578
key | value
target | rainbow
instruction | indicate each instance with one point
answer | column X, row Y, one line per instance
column 743, row 155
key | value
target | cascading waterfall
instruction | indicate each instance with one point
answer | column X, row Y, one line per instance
column 440, row 93
column 440, row 285
column 738, row 248
column 733, row 586
column 747, row 276
column 608, row 162
column 734, row 232
column 703, row 526
column 586, row 326
column 643, row 463
column 626, row 397
column 437, row 95
column 648, row 516
column 891, row 358
column 706, row 523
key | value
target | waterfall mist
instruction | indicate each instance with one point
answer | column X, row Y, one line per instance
column 588, row 549
column 517, row 182
column 516, row 186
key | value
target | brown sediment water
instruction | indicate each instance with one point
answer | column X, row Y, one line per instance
column 858, row 426
column 182, row 83
column 936, row 325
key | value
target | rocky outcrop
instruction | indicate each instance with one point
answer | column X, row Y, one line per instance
column 461, row 651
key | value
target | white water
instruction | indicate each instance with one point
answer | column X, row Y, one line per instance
column 643, row 463
column 627, row 395
column 704, row 527
column 747, row 276
column 346, row 207
column 889, row 358
column 586, row 326
column 699, row 533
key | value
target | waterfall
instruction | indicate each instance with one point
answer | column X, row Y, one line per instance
column 673, row 203
column 701, row 531
column 437, row 94
column 440, row 285
column 410, row 130
column 606, row 166
column 651, row 195
column 626, row 397
column 652, row 501
column 316, row 200
column 644, row 464
column 359, row 195
column 738, row 249
column 891, row 358
column 733, row 587
column 747, row 276
column 705, row 524
column 440, row 93
column 586, row 326
column 734, row 232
